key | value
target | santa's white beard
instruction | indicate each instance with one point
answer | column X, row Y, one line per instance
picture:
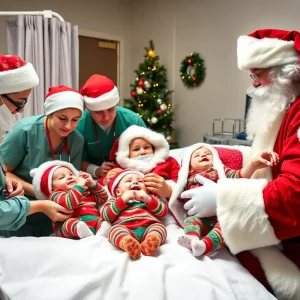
column 266, row 105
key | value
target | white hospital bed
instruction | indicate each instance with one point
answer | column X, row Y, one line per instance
column 53, row 268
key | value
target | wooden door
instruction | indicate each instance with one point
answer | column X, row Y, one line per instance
column 97, row 56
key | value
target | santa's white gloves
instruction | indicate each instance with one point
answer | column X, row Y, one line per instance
column 202, row 201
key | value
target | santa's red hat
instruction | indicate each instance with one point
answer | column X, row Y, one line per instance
column 42, row 177
column 157, row 140
column 99, row 93
column 268, row 48
column 62, row 97
column 16, row 75
column 113, row 183
column 175, row 205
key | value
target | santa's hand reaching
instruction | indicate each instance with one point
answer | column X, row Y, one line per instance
column 202, row 201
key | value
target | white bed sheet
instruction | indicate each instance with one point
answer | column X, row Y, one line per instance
column 90, row 269
column 53, row 268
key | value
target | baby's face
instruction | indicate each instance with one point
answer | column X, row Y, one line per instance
column 140, row 147
column 63, row 178
column 130, row 182
column 201, row 160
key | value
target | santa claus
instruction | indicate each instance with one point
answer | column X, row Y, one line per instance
column 262, row 214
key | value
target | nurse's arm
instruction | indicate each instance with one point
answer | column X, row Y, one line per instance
column 94, row 170
column 54, row 211
column 13, row 213
column 27, row 187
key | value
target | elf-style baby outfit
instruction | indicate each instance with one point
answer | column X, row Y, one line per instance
column 207, row 229
column 82, row 202
column 134, row 220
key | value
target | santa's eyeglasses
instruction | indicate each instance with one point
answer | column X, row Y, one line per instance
column 18, row 105
column 257, row 76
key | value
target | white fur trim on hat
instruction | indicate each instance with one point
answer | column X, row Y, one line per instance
column 157, row 140
column 118, row 178
column 176, row 206
column 264, row 53
column 37, row 174
column 63, row 100
column 105, row 101
column 18, row 80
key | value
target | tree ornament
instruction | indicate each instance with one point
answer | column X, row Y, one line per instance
column 192, row 70
column 140, row 91
column 153, row 120
column 151, row 53
column 147, row 84
column 169, row 139
column 163, row 106
column 133, row 94
column 159, row 101
column 159, row 111
column 141, row 83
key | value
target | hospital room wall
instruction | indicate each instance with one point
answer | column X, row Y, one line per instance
column 178, row 28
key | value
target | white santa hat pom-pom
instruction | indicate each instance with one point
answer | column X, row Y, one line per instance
column 33, row 172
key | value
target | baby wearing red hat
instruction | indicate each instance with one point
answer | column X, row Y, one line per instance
column 203, row 235
column 148, row 152
column 60, row 182
column 133, row 213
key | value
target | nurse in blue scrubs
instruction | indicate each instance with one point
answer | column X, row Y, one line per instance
column 37, row 139
column 17, row 78
column 102, row 123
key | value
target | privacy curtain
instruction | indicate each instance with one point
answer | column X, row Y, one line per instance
column 52, row 47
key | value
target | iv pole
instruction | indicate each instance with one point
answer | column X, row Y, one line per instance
column 45, row 13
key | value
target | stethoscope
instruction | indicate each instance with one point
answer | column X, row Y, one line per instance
column 95, row 126
column 2, row 164
column 65, row 147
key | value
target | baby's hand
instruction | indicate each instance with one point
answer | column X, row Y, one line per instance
column 128, row 195
column 82, row 182
column 142, row 196
column 90, row 182
column 266, row 158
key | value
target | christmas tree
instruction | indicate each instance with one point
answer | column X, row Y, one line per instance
column 150, row 96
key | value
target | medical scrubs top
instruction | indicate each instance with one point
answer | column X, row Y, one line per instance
column 27, row 147
column 12, row 211
column 124, row 119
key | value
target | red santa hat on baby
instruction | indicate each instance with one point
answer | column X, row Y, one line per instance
column 176, row 206
column 113, row 183
column 268, row 48
column 42, row 177
column 16, row 75
column 99, row 93
column 62, row 97
column 157, row 140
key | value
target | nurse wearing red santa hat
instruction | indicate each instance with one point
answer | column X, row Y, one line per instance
column 38, row 139
column 102, row 123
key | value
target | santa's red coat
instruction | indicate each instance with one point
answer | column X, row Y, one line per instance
column 259, row 213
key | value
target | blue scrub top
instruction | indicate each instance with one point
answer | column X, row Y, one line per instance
column 124, row 119
column 13, row 211
column 27, row 147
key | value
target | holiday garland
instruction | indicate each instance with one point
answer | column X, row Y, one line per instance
column 192, row 71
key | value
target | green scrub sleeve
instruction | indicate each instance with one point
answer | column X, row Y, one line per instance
column 13, row 212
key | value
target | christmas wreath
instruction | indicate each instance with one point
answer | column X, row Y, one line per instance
column 192, row 71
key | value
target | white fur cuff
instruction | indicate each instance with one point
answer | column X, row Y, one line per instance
column 241, row 213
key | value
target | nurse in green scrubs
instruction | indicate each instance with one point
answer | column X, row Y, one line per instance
column 38, row 139
column 17, row 78
column 102, row 123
